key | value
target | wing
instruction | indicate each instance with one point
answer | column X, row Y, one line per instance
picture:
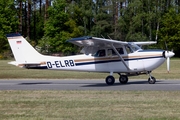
column 94, row 41
column 92, row 44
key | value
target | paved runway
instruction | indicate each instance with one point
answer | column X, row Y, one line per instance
column 42, row 84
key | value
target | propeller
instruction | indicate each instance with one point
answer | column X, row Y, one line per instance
column 168, row 64
column 168, row 54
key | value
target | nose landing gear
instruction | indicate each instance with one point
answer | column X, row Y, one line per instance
column 151, row 79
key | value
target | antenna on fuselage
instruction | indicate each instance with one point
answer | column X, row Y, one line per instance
column 109, row 37
column 102, row 36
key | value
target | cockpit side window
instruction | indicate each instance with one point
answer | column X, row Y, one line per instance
column 120, row 50
column 111, row 52
column 100, row 53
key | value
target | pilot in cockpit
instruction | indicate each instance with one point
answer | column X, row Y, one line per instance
column 102, row 53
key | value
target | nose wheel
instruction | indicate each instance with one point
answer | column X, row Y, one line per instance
column 151, row 80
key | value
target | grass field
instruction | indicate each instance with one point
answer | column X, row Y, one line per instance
column 88, row 105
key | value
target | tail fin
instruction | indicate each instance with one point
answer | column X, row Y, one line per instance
column 23, row 52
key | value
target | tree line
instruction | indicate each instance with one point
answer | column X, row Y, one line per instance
column 47, row 24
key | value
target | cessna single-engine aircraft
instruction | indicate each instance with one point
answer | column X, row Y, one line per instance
column 99, row 55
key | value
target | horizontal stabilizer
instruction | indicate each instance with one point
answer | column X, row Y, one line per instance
column 29, row 65
column 13, row 63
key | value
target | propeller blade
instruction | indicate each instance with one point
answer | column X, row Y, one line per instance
column 166, row 45
column 168, row 64
column 168, row 55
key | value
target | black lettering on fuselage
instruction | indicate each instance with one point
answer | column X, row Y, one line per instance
column 57, row 64
column 66, row 63
column 49, row 65
column 71, row 62
column 60, row 64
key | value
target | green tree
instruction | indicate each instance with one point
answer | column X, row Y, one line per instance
column 58, row 28
column 8, row 21
column 170, row 31
column 102, row 19
column 86, row 8
column 138, row 21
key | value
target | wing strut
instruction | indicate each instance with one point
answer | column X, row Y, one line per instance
column 120, row 57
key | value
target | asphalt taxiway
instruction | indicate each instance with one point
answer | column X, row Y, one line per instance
column 43, row 84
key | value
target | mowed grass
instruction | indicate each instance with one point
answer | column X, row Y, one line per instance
column 89, row 105
column 10, row 71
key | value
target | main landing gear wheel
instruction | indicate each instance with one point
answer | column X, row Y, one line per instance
column 123, row 79
column 152, row 80
column 110, row 80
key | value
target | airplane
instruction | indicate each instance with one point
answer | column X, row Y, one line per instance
column 98, row 55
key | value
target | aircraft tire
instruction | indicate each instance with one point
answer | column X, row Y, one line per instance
column 123, row 79
column 152, row 80
column 110, row 80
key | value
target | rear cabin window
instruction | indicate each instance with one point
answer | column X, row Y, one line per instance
column 111, row 52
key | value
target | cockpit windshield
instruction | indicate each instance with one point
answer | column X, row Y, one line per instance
column 134, row 47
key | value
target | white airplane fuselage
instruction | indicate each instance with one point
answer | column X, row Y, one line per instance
column 138, row 62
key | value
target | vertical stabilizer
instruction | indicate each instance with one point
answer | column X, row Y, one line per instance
column 23, row 52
